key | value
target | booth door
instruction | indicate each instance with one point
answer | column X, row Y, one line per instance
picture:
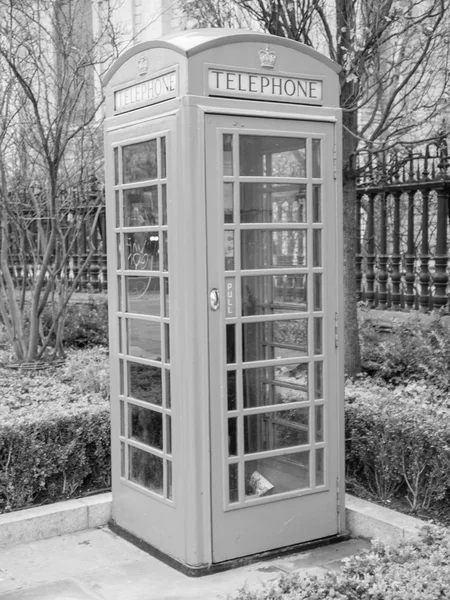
column 271, row 216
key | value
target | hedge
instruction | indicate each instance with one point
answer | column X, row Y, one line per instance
column 54, row 432
column 398, row 440
column 415, row 571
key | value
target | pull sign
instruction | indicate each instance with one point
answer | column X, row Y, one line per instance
column 214, row 300
column 231, row 296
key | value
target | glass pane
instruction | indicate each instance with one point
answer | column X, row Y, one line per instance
column 119, row 327
column 272, row 294
column 169, row 480
column 317, row 291
column 116, row 166
column 121, row 378
column 164, row 204
column 145, row 426
column 167, row 341
column 166, row 297
column 233, row 483
column 139, row 162
column 232, row 436
column 122, row 418
column 318, row 344
column 228, row 242
column 272, row 156
column 119, row 251
column 273, row 203
column 142, row 251
column 319, row 423
column 228, row 202
column 318, row 380
column 166, row 251
column 275, row 385
column 163, row 158
column 144, row 383
column 275, row 475
column 168, row 396
column 231, row 343
column 228, row 154
column 168, row 434
column 274, row 339
column 231, row 390
column 122, row 459
column 265, row 249
column 317, row 247
column 119, row 294
column 317, row 204
column 140, row 207
column 143, row 295
column 146, row 470
column 117, row 209
column 320, row 466
column 316, row 161
column 274, row 430
column 144, row 339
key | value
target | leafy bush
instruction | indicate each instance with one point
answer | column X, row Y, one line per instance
column 86, row 324
column 417, row 348
column 54, row 431
column 415, row 571
column 398, row 440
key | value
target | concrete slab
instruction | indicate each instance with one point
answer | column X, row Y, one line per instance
column 98, row 565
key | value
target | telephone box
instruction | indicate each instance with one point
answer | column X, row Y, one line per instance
column 225, row 295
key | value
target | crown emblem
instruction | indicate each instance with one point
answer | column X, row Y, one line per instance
column 143, row 65
column 267, row 58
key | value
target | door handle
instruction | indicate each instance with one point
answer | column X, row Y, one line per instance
column 214, row 300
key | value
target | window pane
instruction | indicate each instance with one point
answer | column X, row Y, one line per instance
column 318, row 344
column 168, row 395
column 275, row 339
column 145, row 426
column 233, row 483
column 166, row 297
column 272, row 203
column 163, row 158
column 169, row 480
column 319, row 423
column 146, row 470
column 139, row 162
column 164, row 204
column 317, row 204
column 317, row 247
column 122, row 459
column 166, row 251
column 272, row 156
column 140, row 207
column 167, row 341
column 142, row 251
column 318, row 380
column 274, row 430
column 143, row 295
column 317, row 291
column 228, row 241
column 228, row 154
column 232, row 436
column 231, row 343
column 119, row 294
column 228, row 202
column 275, row 475
column 275, row 385
column 168, row 434
column 144, row 339
column 116, row 166
column 272, row 294
column 231, row 390
column 144, row 383
column 316, row 159
column 117, row 208
column 320, row 466
column 265, row 249
column 122, row 418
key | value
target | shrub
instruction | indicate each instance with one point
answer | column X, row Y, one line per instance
column 417, row 348
column 54, row 431
column 398, row 440
column 86, row 324
column 415, row 571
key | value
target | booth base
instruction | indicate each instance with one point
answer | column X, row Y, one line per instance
column 208, row 569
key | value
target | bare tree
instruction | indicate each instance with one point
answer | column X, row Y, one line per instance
column 50, row 160
column 394, row 83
